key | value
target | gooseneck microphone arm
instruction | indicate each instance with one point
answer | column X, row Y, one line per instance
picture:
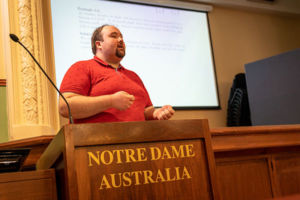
column 16, row 39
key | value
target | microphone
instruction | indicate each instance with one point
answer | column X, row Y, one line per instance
column 16, row 39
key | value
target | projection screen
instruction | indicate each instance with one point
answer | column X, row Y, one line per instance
column 169, row 48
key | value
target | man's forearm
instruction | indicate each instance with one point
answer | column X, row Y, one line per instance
column 149, row 113
column 163, row 113
column 85, row 106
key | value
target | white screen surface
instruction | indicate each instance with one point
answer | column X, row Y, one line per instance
column 168, row 48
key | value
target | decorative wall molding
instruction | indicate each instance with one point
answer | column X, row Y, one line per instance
column 2, row 82
column 28, row 74
column 32, row 104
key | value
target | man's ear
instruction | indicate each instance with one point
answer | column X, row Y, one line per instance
column 98, row 45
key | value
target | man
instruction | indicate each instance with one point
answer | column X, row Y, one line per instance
column 102, row 90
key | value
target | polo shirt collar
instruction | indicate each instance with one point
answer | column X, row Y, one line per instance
column 103, row 63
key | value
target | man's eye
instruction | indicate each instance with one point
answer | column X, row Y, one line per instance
column 113, row 36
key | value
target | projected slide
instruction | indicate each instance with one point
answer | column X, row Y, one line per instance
column 168, row 48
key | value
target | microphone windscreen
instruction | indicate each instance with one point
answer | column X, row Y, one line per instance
column 14, row 37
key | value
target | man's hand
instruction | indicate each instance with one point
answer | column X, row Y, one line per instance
column 163, row 113
column 122, row 100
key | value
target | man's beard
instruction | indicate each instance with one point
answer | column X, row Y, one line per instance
column 120, row 53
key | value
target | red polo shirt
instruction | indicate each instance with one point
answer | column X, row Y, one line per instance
column 95, row 78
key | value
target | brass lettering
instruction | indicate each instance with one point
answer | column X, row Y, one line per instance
column 118, row 153
column 104, row 183
column 136, row 175
column 130, row 155
column 113, row 180
column 160, row 177
column 166, row 154
column 141, row 154
column 148, row 177
column 94, row 158
column 177, row 153
column 168, row 175
column 110, row 156
column 155, row 153
column 177, row 173
column 185, row 173
column 126, row 179
column 189, row 150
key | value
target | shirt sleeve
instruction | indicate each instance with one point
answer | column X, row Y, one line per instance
column 77, row 79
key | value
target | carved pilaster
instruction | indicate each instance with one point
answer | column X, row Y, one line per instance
column 32, row 103
column 28, row 75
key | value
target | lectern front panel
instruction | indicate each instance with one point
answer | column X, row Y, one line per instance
column 154, row 170
column 168, row 159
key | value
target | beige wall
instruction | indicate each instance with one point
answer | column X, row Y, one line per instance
column 240, row 37
column 2, row 68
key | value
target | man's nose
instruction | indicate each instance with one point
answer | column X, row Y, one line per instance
column 120, row 38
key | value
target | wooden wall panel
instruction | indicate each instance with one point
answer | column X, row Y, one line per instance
column 287, row 174
column 33, row 185
column 244, row 179
column 257, row 162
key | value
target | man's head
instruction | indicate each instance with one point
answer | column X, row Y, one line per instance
column 107, row 43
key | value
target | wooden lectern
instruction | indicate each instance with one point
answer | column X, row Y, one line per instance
column 133, row 160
